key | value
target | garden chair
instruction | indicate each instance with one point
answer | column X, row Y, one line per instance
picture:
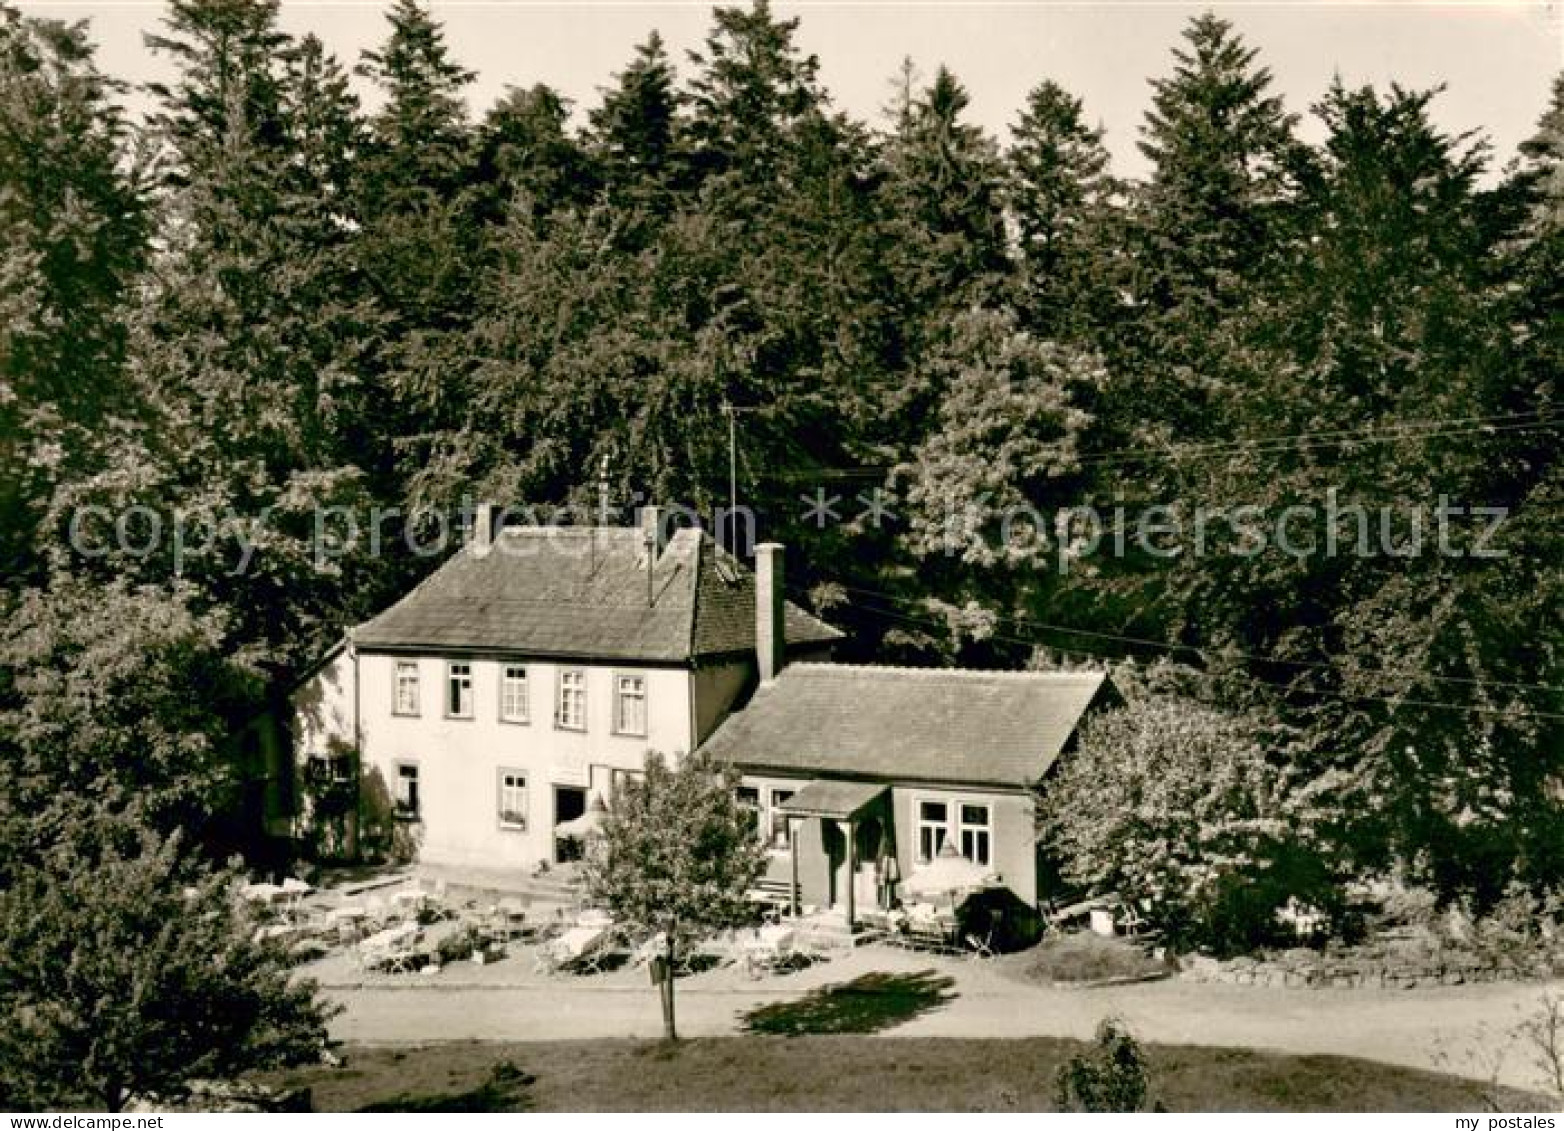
column 979, row 947
column 769, row 948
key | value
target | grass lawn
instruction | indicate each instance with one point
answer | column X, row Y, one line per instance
column 852, row 1072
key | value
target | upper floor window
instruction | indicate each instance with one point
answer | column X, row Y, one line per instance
column 630, row 704
column 571, row 713
column 513, row 693
column 406, row 697
column 458, row 695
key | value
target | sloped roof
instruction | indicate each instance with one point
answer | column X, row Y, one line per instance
column 913, row 724
column 830, row 798
column 582, row 592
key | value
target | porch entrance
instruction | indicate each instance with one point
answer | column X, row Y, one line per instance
column 570, row 802
column 854, row 824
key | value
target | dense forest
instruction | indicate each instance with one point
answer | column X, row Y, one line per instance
column 263, row 302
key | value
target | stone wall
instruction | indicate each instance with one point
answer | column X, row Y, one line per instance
column 1308, row 968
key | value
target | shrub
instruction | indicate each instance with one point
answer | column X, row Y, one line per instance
column 1173, row 801
column 128, row 970
column 1113, row 1077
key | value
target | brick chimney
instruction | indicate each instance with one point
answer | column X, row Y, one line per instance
column 483, row 529
column 654, row 532
column 770, row 637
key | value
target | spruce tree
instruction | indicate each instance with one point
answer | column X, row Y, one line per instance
column 1203, row 229
column 638, row 130
column 1063, row 199
column 73, row 229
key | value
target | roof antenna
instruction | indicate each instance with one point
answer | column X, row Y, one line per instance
column 731, row 411
column 649, row 540
column 602, row 506
column 602, row 491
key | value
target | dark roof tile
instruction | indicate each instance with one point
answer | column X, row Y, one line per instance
column 918, row 724
column 582, row 592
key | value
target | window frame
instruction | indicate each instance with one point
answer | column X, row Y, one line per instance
column 560, row 680
column 401, row 810
column 985, row 830
column 399, row 668
column 450, row 682
column 778, row 840
column 500, row 788
column 920, row 824
column 751, row 806
column 617, row 721
column 525, row 717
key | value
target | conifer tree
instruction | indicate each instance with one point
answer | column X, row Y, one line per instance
column 73, row 230
column 1063, row 199
column 1203, row 227
column 638, row 131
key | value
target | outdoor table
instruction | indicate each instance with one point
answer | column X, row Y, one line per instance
column 390, row 937
column 578, row 941
column 261, row 892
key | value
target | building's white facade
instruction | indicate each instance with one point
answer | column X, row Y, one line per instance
column 484, row 756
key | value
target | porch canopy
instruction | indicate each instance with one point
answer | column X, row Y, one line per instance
column 833, row 800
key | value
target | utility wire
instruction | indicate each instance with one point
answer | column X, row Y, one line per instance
column 1201, row 650
column 1432, row 704
column 1266, row 445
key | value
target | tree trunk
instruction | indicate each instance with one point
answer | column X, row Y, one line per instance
column 670, row 1031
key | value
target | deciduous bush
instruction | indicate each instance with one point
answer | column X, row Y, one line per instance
column 1174, row 802
column 1113, row 1077
column 126, row 970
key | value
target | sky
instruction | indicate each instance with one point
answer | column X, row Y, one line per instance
column 1497, row 58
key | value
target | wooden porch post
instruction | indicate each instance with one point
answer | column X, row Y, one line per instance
column 852, row 870
column 792, row 845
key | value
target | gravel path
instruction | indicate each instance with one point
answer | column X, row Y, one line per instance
column 1468, row 1030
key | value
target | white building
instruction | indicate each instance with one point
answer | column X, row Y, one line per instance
column 492, row 702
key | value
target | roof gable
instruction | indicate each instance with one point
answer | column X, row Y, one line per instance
column 915, row 724
column 583, row 592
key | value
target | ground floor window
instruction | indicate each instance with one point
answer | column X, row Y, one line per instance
column 933, row 827
column 975, row 833
column 748, row 798
column 776, row 819
column 968, row 825
column 406, row 795
column 513, row 799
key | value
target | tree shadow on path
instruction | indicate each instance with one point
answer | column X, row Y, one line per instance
column 868, row 1004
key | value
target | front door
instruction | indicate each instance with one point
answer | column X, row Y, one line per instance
column 570, row 802
column 866, row 884
column 834, row 841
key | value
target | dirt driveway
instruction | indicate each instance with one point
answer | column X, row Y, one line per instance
column 1468, row 1030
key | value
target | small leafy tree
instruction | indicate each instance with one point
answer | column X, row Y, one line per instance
column 128, row 970
column 675, row 856
column 1113, row 1077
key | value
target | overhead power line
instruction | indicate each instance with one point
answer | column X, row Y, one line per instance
column 1394, row 701
column 1253, row 657
column 1541, row 420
